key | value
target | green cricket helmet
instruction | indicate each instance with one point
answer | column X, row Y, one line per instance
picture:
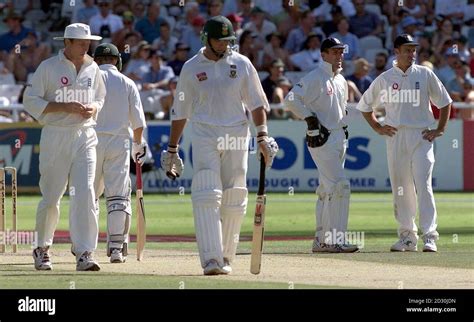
column 218, row 27
column 107, row 50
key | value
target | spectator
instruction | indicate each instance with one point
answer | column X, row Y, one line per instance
column 180, row 57
column 452, row 9
column 273, row 50
column 440, row 37
column 149, row 27
column 282, row 89
column 192, row 37
column 410, row 26
column 105, row 23
column 139, row 65
column 297, row 37
column 380, row 65
column 130, row 45
column 246, row 11
column 330, row 26
column 446, row 73
column 138, row 10
column 191, row 11
column 310, row 56
column 118, row 38
column 276, row 69
column 28, row 59
column 166, row 101
column 352, row 50
column 165, row 43
column 214, row 8
column 360, row 76
column 272, row 8
column 364, row 23
column 85, row 14
column 247, row 47
column 159, row 75
column 120, row 6
column 17, row 32
column 416, row 9
column 236, row 24
column 460, row 86
column 288, row 19
column 260, row 26
column 323, row 12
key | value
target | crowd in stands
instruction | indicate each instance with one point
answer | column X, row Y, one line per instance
column 281, row 38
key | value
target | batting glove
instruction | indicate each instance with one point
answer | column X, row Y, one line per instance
column 171, row 163
column 268, row 147
column 139, row 152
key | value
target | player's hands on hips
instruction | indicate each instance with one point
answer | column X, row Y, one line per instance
column 430, row 135
column 139, row 152
column 386, row 130
column 268, row 147
column 317, row 134
column 171, row 163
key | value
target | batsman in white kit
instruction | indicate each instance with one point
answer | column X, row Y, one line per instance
column 405, row 90
column 216, row 88
column 122, row 109
column 65, row 96
column 320, row 98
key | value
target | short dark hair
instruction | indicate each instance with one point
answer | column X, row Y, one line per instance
column 164, row 24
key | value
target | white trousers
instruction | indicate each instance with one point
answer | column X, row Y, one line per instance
column 410, row 165
column 68, row 155
column 329, row 159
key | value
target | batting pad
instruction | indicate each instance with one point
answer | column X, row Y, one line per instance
column 206, row 194
column 233, row 209
column 118, row 222
column 339, row 206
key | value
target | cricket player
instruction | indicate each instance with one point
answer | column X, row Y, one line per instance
column 65, row 95
column 215, row 90
column 405, row 90
column 122, row 108
column 320, row 98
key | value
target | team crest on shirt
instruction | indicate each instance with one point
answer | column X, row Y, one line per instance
column 417, row 85
column 89, row 82
column 395, row 86
column 329, row 91
column 201, row 76
column 233, row 71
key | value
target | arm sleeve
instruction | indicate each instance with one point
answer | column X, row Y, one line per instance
column 252, row 92
column 300, row 96
column 100, row 91
column 33, row 98
column 370, row 98
column 437, row 92
column 183, row 100
column 136, row 114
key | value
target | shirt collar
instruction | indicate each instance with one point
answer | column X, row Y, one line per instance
column 203, row 58
column 395, row 67
column 87, row 61
column 327, row 67
column 107, row 67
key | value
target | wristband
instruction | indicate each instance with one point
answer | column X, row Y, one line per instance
column 262, row 128
column 173, row 148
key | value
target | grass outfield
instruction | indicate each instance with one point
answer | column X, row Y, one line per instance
column 168, row 265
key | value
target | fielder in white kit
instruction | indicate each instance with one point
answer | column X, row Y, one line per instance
column 320, row 98
column 122, row 109
column 65, row 95
column 405, row 91
column 216, row 88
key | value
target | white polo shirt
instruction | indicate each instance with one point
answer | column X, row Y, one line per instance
column 114, row 22
column 322, row 93
column 56, row 80
column 218, row 92
column 406, row 96
column 122, row 107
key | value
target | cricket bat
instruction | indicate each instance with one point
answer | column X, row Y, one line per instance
column 141, row 223
column 258, row 223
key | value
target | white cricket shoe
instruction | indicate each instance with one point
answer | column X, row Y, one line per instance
column 116, row 256
column 343, row 248
column 42, row 259
column 227, row 266
column 213, row 268
column 405, row 244
column 430, row 244
column 87, row 263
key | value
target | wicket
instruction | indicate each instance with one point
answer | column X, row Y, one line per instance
column 3, row 221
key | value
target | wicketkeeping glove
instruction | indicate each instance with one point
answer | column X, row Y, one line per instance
column 317, row 134
column 171, row 163
column 139, row 152
column 268, row 147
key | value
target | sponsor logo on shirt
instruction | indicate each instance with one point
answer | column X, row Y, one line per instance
column 201, row 76
column 64, row 80
column 395, row 86
column 89, row 82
